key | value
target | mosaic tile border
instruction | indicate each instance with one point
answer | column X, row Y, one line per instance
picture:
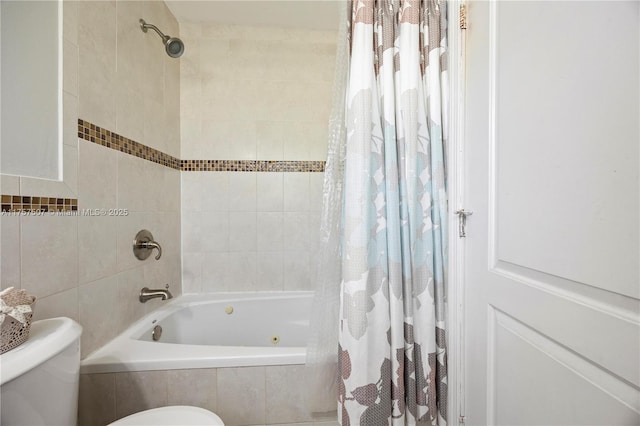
column 21, row 203
column 90, row 132
column 96, row 134
column 251, row 166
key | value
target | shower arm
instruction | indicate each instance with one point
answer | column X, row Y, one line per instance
column 146, row 26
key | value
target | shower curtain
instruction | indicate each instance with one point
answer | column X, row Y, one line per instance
column 385, row 212
column 392, row 346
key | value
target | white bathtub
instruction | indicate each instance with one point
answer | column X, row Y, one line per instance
column 212, row 331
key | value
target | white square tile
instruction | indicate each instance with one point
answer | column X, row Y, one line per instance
column 195, row 388
column 191, row 137
column 242, row 191
column 296, row 271
column 209, row 148
column 192, row 232
column 241, row 395
column 222, row 100
column 215, row 231
column 296, row 144
column 296, row 192
column 192, row 191
column 269, row 271
column 129, row 309
column 216, row 192
column 270, row 191
column 213, row 53
column 63, row 304
column 241, row 273
column 270, row 236
column 154, row 124
column 315, row 221
column 49, row 252
column 192, row 272
column 296, row 231
column 286, row 394
column 70, row 21
column 129, row 109
column 168, row 190
column 316, row 182
column 70, row 120
column 70, row 68
column 10, row 185
column 96, row 260
column 215, row 273
column 190, row 64
column 241, row 140
column 97, row 396
column 242, row 231
column 172, row 105
column 191, row 98
column 269, row 140
column 191, row 30
column 10, row 249
column 140, row 390
column 70, row 168
column 97, row 62
column 96, row 301
column 139, row 184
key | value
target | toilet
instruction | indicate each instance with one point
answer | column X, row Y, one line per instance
column 39, row 383
column 170, row 416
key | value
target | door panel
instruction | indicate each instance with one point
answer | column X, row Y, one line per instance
column 566, row 141
column 553, row 275
column 567, row 379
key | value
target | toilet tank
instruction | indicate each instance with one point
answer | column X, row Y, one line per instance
column 39, row 379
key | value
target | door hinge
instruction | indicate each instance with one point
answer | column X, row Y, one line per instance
column 463, row 17
column 462, row 222
column 461, row 420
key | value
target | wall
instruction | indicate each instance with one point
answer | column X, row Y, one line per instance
column 82, row 266
column 256, row 96
column 273, row 395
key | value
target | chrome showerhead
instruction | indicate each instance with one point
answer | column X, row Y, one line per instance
column 173, row 45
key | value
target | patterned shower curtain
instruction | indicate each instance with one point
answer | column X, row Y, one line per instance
column 392, row 360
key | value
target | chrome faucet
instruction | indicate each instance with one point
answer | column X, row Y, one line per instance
column 146, row 293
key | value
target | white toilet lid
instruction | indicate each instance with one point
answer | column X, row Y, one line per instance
column 175, row 415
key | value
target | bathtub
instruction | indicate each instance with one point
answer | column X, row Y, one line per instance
column 212, row 331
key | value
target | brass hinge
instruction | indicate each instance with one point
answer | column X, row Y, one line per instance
column 463, row 17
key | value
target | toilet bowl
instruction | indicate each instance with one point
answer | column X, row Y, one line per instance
column 48, row 365
column 171, row 416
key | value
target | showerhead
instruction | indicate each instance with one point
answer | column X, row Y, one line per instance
column 173, row 45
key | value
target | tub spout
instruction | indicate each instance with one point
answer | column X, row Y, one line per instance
column 146, row 293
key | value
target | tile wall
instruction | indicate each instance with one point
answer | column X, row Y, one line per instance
column 82, row 266
column 273, row 395
column 253, row 93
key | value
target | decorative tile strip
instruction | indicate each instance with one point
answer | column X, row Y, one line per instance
column 251, row 166
column 20, row 203
column 96, row 134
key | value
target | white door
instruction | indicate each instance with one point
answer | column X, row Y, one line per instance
column 552, row 287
